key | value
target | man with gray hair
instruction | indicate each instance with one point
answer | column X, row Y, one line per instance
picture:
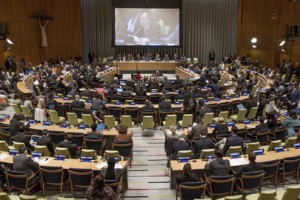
column 77, row 104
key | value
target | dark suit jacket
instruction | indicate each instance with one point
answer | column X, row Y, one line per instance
column 218, row 167
column 70, row 146
column 205, row 110
column 21, row 137
column 94, row 135
column 179, row 146
column 46, row 141
column 294, row 97
column 14, row 127
column 196, row 131
column 24, row 163
column 233, row 141
column 221, row 129
column 148, row 108
column 79, row 105
column 202, row 143
column 191, row 177
column 141, row 93
column 164, row 106
column 251, row 167
column 260, row 128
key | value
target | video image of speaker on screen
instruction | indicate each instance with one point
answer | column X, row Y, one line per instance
column 147, row 27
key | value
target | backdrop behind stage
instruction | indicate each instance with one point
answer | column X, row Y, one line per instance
column 206, row 25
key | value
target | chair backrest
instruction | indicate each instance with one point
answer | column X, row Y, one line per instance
column 16, row 179
column 95, row 144
column 192, row 190
column 292, row 192
column 207, row 152
column 4, row 196
column 290, row 142
column 111, row 153
column 163, row 114
column 126, row 120
column 89, row 153
column 62, row 151
column 140, row 100
column 185, row 153
column 154, row 98
column 17, row 145
column 77, row 138
column 170, row 121
column 253, row 90
column 252, row 113
column 42, row 149
column 270, row 168
column 280, row 133
column 3, row 146
column 208, row 118
column 242, row 133
column 274, row 144
column 262, row 137
column 27, row 197
column 291, row 164
column 17, row 109
column 252, row 146
column 252, row 180
column 124, row 149
column 220, row 185
column 224, row 114
column 115, row 111
column 187, row 120
column 87, row 119
column 72, row 118
column 148, row 122
column 54, row 116
column 80, row 177
column 109, row 121
column 133, row 112
column 78, row 111
column 56, row 137
column 241, row 115
column 235, row 197
column 51, row 174
column 234, row 149
column 26, row 112
column 225, row 106
column 268, row 194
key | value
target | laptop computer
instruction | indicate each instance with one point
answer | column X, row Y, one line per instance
column 34, row 139
column 240, row 106
column 119, row 90
column 100, row 127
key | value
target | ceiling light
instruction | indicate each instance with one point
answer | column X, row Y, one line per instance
column 254, row 40
column 254, row 46
column 282, row 43
column 9, row 41
column 283, row 50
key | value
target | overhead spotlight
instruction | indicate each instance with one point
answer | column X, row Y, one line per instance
column 9, row 41
column 254, row 46
column 282, row 43
column 283, row 50
column 254, row 40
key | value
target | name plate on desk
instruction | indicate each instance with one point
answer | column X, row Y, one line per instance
column 234, row 155
column 297, row 146
column 12, row 152
column 258, row 152
column 36, row 154
column 184, row 159
column 60, row 157
column 279, row 149
column 86, row 158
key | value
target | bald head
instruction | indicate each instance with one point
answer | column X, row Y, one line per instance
column 77, row 97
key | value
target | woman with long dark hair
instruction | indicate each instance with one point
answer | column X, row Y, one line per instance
column 98, row 190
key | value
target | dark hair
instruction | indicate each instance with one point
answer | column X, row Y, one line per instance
column 234, row 129
column 252, row 157
column 97, row 186
column 122, row 129
column 16, row 96
column 262, row 120
column 199, row 120
column 293, row 114
column 110, row 172
column 219, row 153
column 22, row 149
column 21, row 128
column 187, row 168
column 94, row 127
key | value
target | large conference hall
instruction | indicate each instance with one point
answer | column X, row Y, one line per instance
column 149, row 99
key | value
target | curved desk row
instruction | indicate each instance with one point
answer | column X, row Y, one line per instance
column 198, row 165
column 23, row 89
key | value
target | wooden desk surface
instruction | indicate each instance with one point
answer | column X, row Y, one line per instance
column 40, row 127
column 22, row 88
column 156, row 106
column 268, row 156
column 66, row 164
column 227, row 101
column 145, row 65
column 210, row 130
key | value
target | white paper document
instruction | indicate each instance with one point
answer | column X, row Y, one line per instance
column 238, row 162
column 3, row 156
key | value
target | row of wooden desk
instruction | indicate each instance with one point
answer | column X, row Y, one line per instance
column 198, row 165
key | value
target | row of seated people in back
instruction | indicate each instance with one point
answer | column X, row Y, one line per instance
column 198, row 138
column 218, row 167
column 18, row 133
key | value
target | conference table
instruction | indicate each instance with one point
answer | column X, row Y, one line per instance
column 145, row 65
column 40, row 127
column 23, row 88
column 186, row 74
column 198, row 165
column 241, row 98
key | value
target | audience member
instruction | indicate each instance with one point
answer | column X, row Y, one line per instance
column 187, row 176
column 98, row 190
column 219, row 166
column 24, row 163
